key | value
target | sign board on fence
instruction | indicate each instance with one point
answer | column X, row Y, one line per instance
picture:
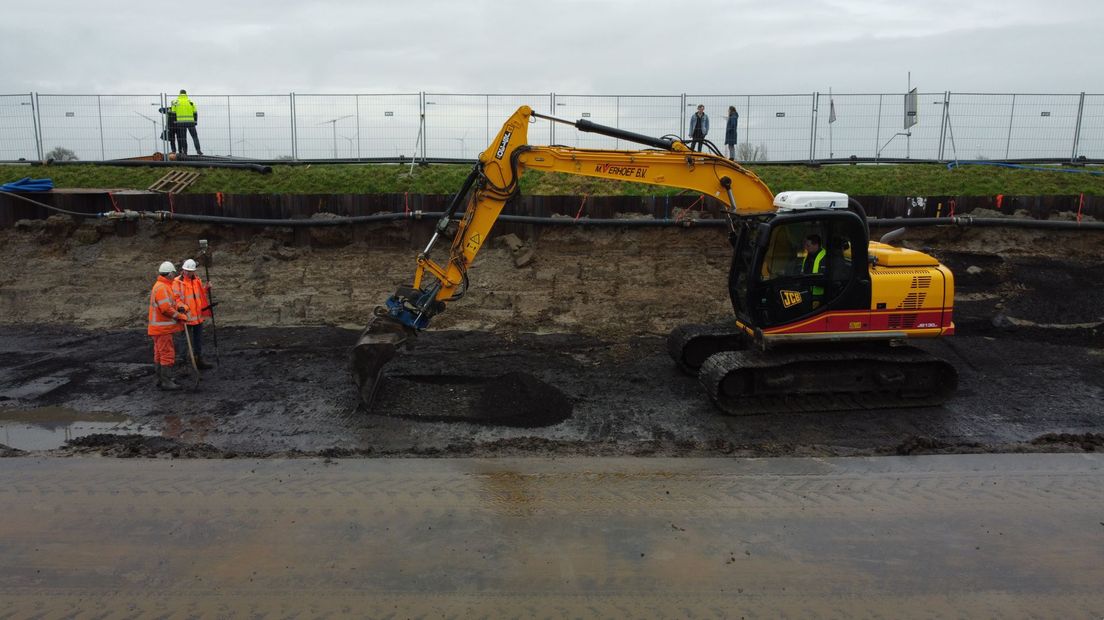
column 911, row 116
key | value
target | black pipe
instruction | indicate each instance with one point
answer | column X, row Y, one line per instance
column 412, row 215
column 961, row 221
column 958, row 220
column 994, row 222
column 136, row 163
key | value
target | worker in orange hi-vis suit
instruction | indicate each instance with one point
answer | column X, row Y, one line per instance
column 167, row 314
column 196, row 296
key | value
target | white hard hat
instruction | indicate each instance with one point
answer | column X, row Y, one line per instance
column 189, row 265
column 166, row 268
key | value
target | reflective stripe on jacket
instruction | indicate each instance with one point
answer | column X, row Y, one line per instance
column 194, row 295
column 162, row 309
column 817, row 291
column 185, row 110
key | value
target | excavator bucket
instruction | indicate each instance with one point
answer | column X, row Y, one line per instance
column 377, row 345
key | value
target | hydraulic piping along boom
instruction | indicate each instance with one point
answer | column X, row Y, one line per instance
column 494, row 181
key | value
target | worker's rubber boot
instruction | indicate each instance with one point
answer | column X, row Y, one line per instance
column 203, row 364
column 166, row 382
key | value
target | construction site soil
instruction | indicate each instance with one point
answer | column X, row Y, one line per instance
column 557, row 349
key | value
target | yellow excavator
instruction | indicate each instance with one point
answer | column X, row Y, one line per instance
column 822, row 313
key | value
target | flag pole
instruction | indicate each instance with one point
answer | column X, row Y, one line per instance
column 831, row 119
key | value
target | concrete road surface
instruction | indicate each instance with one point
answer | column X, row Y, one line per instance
column 935, row 536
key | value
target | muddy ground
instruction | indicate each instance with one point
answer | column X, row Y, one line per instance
column 563, row 354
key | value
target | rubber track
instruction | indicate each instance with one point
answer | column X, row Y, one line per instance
column 718, row 366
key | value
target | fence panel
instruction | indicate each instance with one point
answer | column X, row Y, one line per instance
column 854, row 131
column 388, row 125
column 327, row 127
column 921, row 140
column 777, row 126
column 250, row 126
column 1044, row 126
column 131, row 125
column 979, row 125
column 1091, row 143
column 71, row 122
column 18, row 135
column 462, row 126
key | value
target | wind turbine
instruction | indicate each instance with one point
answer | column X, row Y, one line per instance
column 333, row 125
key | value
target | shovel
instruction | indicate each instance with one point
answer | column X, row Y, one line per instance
column 191, row 356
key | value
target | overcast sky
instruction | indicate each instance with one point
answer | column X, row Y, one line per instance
column 563, row 46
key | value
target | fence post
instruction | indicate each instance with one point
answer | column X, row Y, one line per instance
column 1011, row 117
column 422, row 120
column 1077, row 132
column 164, row 125
column 35, row 123
column 878, row 129
column 813, row 126
column 356, row 103
column 552, row 112
column 229, row 131
column 294, row 133
column 747, row 123
column 943, row 123
column 682, row 115
column 99, row 114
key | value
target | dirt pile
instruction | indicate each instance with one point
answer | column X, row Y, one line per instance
column 521, row 400
column 139, row 446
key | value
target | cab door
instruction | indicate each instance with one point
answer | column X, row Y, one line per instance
column 781, row 292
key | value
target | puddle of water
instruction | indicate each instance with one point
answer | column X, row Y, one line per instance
column 46, row 428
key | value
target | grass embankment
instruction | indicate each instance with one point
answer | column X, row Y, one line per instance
column 891, row 180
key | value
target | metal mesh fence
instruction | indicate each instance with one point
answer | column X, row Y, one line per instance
column 799, row 127
column 1090, row 143
column 18, row 132
column 461, row 126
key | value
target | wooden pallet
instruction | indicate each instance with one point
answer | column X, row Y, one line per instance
column 174, row 182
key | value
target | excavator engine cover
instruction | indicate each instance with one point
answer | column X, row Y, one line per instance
column 377, row 345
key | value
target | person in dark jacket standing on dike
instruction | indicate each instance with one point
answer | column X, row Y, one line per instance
column 730, row 131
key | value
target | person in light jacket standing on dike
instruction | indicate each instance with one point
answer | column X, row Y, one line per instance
column 699, row 128
column 730, row 131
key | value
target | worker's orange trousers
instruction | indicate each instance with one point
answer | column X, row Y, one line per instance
column 163, row 351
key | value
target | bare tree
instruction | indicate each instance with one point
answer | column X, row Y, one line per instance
column 746, row 152
column 60, row 153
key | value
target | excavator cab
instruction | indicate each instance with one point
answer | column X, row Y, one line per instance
column 773, row 281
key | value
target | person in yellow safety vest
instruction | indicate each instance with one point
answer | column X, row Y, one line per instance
column 814, row 263
column 167, row 314
column 196, row 296
column 186, row 119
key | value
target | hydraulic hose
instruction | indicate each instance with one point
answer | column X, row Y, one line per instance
column 1001, row 164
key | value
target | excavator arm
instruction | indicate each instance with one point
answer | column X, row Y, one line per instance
column 440, row 280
